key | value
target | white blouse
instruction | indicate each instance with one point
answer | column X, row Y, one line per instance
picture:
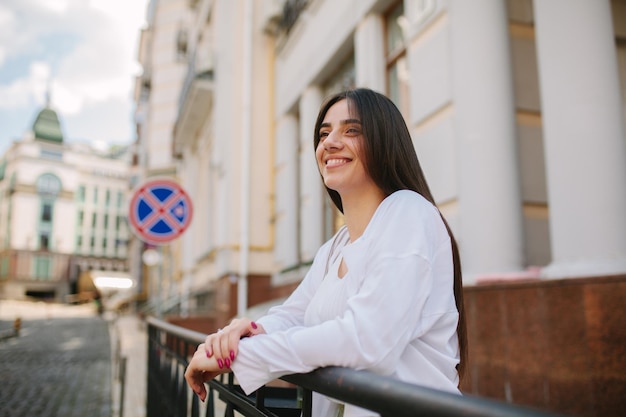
column 331, row 298
column 393, row 313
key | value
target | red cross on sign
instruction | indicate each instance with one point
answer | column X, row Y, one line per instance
column 160, row 211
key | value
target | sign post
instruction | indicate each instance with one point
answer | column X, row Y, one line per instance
column 160, row 211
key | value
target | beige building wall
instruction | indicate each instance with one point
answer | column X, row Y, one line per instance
column 223, row 139
column 165, row 67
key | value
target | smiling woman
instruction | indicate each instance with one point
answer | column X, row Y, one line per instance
column 384, row 294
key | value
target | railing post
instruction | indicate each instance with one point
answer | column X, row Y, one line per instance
column 122, row 379
column 151, row 369
column 307, row 402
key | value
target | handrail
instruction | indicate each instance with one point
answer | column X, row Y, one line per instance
column 392, row 397
column 384, row 395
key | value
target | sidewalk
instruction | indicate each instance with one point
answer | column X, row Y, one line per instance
column 129, row 340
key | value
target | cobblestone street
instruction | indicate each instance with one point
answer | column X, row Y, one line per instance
column 60, row 365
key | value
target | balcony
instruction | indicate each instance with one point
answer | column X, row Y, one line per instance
column 196, row 100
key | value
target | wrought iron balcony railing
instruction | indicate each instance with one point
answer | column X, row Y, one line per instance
column 170, row 348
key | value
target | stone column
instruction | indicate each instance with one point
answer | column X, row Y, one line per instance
column 583, row 137
column 311, row 188
column 369, row 52
column 286, row 168
column 490, row 238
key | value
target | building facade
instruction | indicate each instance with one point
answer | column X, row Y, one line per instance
column 516, row 110
column 63, row 211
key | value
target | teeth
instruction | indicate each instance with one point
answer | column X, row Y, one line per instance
column 335, row 161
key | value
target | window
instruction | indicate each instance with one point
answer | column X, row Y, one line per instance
column 81, row 194
column 48, row 185
column 120, row 199
column 81, row 216
column 106, row 221
column 4, row 267
column 95, row 195
column 182, row 42
column 398, row 75
column 42, row 267
column 93, row 220
column 343, row 79
column 44, row 241
column 51, row 154
column 107, row 198
column 46, row 212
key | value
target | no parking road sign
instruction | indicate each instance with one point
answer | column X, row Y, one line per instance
column 160, row 211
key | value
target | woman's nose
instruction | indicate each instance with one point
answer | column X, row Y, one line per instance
column 332, row 141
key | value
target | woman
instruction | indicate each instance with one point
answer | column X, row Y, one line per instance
column 384, row 294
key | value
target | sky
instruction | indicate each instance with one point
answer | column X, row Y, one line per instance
column 84, row 52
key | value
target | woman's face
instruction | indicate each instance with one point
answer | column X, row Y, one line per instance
column 340, row 152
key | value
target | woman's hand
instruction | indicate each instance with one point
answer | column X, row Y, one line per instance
column 223, row 345
column 214, row 357
column 200, row 370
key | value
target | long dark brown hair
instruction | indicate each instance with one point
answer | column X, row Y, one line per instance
column 391, row 162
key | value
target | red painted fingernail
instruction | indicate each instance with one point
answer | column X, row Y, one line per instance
column 227, row 362
column 220, row 363
column 253, row 324
column 232, row 355
column 208, row 354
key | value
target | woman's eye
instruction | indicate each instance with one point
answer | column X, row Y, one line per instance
column 323, row 134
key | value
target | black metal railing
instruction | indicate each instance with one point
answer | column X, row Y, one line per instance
column 170, row 347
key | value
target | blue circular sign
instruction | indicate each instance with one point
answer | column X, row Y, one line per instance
column 160, row 211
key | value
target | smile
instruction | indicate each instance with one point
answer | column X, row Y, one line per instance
column 336, row 162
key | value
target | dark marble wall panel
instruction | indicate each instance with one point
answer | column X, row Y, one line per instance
column 557, row 345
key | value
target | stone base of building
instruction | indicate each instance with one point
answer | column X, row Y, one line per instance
column 557, row 345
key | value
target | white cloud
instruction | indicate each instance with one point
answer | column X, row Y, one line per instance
column 65, row 100
column 99, row 67
column 57, row 6
column 7, row 29
column 26, row 90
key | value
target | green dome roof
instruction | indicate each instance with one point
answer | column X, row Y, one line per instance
column 47, row 126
